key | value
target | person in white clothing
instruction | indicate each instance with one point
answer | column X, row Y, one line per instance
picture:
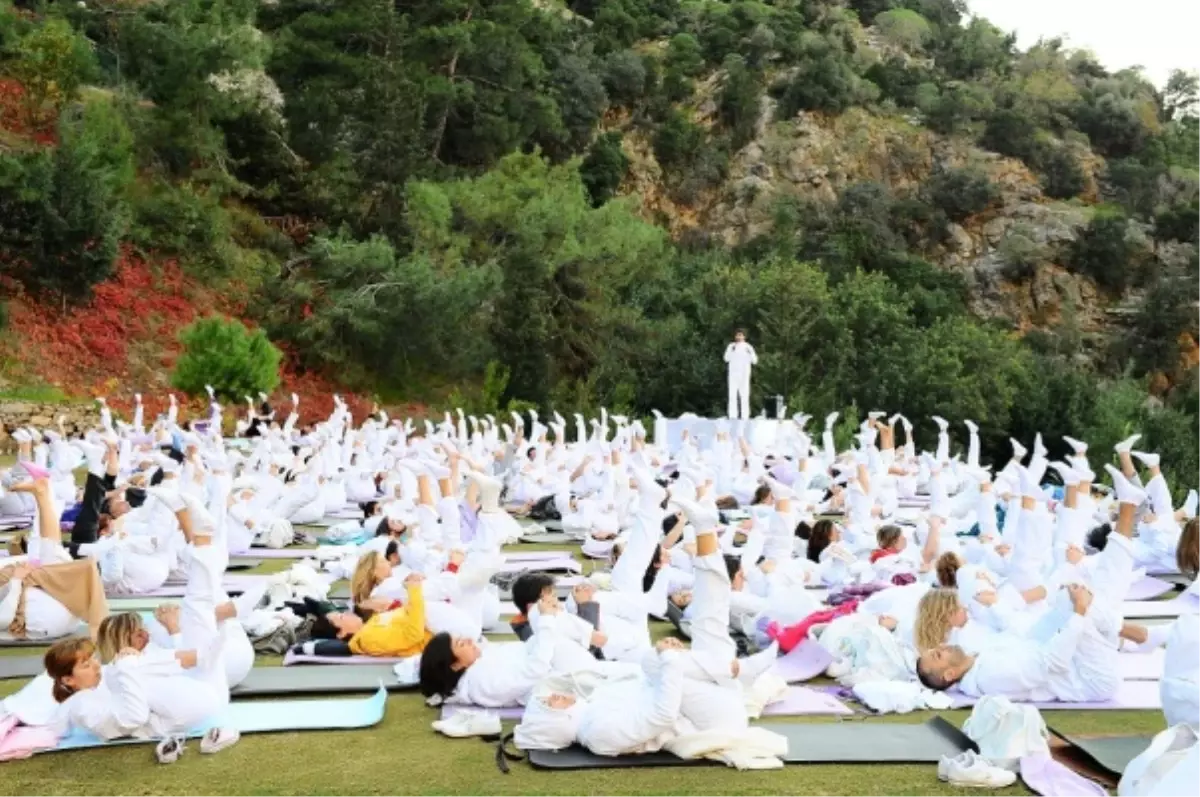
column 681, row 691
column 146, row 695
column 741, row 357
column 1073, row 655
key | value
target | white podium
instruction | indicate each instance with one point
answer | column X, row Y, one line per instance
column 668, row 432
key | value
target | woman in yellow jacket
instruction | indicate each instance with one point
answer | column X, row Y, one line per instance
column 398, row 633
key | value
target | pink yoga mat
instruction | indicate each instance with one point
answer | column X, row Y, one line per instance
column 1148, row 588
column 803, row 662
column 803, row 701
column 1132, row 695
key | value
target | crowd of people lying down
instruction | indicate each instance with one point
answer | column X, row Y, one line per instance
column 924, row 569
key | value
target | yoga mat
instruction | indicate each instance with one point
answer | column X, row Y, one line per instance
column 1142, row 666
column 803, row 662
column 824, row 743
column 1111, row 753
column 562, row 585
column 535, row 556
column 275, row 553
column 563, row 564
column 801, row 701
column 232, row 584
column 291, row 659
column 1164, row 608
column 1148, row 588
column 1131, row 695
column 547, row 538
column 20, row 666
column 243, row 564
column 9, row 641
column 135, row 603
column 318, row 680
column 269, row 716
column 505, row 713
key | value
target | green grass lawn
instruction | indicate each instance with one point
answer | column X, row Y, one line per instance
column 403, row 755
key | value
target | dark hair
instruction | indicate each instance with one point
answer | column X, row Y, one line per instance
column 392, row 549
column 368, row 508
column 381, row 528
column 528, row 589
column 669, row 523
column 930, row 680
column 761, row 493
column 437, row 675
column 1097, row 538
column 323, row 628
column 819, row 538
column 803, row 530
column 727, row 502
column 733, row 564
column 652, row 569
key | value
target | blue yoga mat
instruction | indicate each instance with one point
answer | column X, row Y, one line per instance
column 268, row 716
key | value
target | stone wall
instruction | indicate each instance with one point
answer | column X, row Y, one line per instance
column 14, row 414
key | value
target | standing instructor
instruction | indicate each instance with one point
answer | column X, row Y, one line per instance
column 741, row 357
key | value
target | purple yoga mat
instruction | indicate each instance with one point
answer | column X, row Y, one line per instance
column 1142, row 666
column 1044, row 775
column 1133, row 695
column 805, row 661
column 291, row 658
column 506, row 713
column 803, row 701
column 536, row 556
column 1148, row 588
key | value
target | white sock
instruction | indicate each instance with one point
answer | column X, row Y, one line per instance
column 1149, row 460
column 1126, row 445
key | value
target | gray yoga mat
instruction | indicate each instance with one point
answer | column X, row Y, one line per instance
column 346, row 679
column 825, row 743
column 20, row 666
column 1111, row 753
column 9, row 641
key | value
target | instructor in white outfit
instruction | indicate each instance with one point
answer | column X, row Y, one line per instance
column 741, row 358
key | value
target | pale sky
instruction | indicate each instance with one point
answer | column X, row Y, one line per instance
column 1160, row 35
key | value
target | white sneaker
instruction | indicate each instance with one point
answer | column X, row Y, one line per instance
column 469, row 723
column 218, row 739
column 169, row 749
column 970, row 770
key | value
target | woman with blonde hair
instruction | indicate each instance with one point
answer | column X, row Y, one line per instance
column 939, row 613
column 459, row 599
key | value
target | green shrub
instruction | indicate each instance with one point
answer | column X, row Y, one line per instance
column 1104, row 252
column 960, row 193
column 604, row 168
column 1062, row 177
column 222, row 353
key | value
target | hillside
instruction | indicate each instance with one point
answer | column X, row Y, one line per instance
column 571, row 204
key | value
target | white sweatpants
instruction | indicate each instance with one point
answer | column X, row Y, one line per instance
column 739, row 396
